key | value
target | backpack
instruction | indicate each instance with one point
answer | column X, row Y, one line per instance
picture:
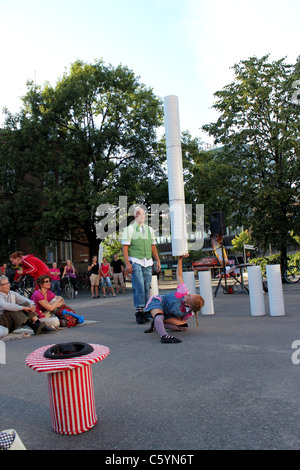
column 66, row 320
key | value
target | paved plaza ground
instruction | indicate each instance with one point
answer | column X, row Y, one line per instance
column 230, row 384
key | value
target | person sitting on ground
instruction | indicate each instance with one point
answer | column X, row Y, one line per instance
column 172, row 310
column 105, row 276
column 44, row 299
column 50, row 308
column 17, row 311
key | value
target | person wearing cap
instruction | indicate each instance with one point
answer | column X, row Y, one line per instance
column 139, row 245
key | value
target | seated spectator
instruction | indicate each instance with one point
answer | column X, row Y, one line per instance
column 43, row 296
column 50, row 307
column 17, row 311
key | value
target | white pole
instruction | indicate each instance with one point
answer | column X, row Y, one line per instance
column 189, row 280
column 206, row 292
column 100, row 253
column 175, row 176
column 154, row 287
column 256, row 292
column 275, row 292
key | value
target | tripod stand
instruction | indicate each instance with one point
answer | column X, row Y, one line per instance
column 223, row 271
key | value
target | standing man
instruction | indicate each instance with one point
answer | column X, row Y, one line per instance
column 138, row 248
column 117, row 267
column 55, row 279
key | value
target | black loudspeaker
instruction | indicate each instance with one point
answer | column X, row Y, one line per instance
column 217, row 223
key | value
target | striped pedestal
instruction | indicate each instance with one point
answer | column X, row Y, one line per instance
column 72, row 402
column 70, row 387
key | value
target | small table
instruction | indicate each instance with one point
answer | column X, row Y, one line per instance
column 70, row 388
column 240, row 267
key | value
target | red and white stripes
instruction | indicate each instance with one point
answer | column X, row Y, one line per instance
column 70, row 387
column 72, row 402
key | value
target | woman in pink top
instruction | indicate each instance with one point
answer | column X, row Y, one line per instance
column 43, row 296
column 70, row 271
column 104, row 272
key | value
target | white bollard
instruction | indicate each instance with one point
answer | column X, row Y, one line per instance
column 275, row 291
column 206, row 292
column 175, row 176
column 154, row 287
column 257, row 302
column 189, row 280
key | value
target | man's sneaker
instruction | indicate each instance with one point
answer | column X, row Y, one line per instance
column 169, row 339
column 140, row 317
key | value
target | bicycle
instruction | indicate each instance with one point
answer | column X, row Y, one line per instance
column 69, row 289
column 23, row 287
column 83, row 281
column 292, row 274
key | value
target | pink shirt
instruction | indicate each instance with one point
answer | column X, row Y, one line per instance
column 55, row 274
column 37, row 296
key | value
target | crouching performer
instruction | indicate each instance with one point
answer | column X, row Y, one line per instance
column 171, row 311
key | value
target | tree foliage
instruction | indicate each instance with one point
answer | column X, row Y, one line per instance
column 87, row 140
column 258, row 166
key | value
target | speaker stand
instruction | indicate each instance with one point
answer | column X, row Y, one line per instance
column 223, row 272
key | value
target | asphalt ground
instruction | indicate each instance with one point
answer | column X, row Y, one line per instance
column 230, row 385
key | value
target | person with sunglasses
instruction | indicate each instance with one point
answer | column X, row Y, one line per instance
column 44, row 298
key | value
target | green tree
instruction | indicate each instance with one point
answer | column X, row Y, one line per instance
column 88, row 140
column 259, row 130
column 240, row 240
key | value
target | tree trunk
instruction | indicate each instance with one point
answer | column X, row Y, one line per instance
column 283, row 261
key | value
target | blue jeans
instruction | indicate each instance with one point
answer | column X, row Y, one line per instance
column 55, row 287
column 141, row 281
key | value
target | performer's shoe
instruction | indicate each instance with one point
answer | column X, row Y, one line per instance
column 169, row 339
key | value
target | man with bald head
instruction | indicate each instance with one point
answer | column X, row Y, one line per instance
column 138, row 248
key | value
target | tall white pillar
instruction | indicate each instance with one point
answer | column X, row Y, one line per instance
column 257, row 301
column 189, row 280
column 275, row 292
column 206, row 292
column 175, row 176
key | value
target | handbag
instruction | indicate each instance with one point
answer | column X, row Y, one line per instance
column 66, row 320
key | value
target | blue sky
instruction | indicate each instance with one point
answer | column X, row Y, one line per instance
column 183, row 48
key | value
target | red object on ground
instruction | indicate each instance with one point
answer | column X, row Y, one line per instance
column 70, row 387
